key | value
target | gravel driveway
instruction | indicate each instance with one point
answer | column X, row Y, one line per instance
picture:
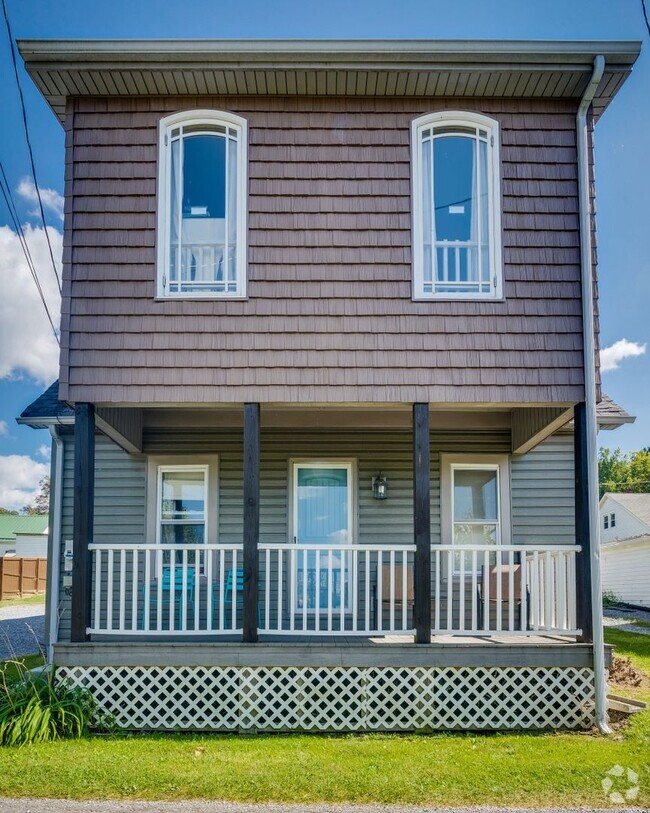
column 22, row 630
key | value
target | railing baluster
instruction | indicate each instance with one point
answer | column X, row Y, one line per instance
column 159, row 593
column 109, row 590
column 535, row 591
column 317, row 607
column 330, row 590
column 233, row 593
column 293, row 598
column 474, row 592
column 172, row 589
column 571, row 596
column 511, row 590
column 523, row 561
column 196, row 599
column 134, row 589
column 561, row 622
column 436, row 597
column 209, row 590
column 391, row 606
column 367, row 592
column 404, row 590
column 280, row 587
column 486, row 591
column 380, row 594
column 342, row 600
column 499, row 574
column 184, row 602
column 222, row 590
column 267, row 589
column 98, row 589
column 450, row 591
column 548, row 590
column 461, row 592
column 354, row 562
column 146, row 610
column 122, row 600
column 305, row 562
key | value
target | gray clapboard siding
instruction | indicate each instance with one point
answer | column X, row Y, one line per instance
column 542, row 483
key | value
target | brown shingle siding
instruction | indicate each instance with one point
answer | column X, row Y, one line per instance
column 329, row 315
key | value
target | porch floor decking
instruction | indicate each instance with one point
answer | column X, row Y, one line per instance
column 453, row 651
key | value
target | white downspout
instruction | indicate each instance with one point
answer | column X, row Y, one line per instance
column 590, row 391
column 53, row 619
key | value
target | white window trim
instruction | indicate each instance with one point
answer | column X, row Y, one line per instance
column 451, row 462
column 192, row 117
column 462, row 119
column 155, row 467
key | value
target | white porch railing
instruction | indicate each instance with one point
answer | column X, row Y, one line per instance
column 483, row 590
column 167, row 590
column 311, row 589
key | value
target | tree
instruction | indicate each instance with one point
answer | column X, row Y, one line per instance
column 6, row 511
column 41, row 504
column 624, row 472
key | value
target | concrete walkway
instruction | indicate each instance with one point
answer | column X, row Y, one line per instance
column 22, row 630
column 65, row 806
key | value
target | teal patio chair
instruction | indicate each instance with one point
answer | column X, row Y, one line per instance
column 166, row 594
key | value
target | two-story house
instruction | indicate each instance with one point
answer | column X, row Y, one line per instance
column 329, row 311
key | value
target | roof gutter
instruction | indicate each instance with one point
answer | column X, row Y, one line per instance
column 589, row 346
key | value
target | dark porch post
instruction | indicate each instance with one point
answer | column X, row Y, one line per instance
column 421, row 525
column 82, row 519
column 251, row 518
column 583, row 530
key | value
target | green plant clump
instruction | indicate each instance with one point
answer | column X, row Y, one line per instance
column 610, row 599
column 35, row 708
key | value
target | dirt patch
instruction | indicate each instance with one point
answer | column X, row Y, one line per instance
column 623, row 673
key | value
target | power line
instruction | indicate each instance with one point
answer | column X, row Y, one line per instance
column 29, row 145
column 6, row 193
column 645, row 16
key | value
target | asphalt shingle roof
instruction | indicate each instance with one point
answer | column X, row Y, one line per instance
column 48, row 405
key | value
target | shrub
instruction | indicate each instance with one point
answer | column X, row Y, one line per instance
column 610, row 599
column 35, row 708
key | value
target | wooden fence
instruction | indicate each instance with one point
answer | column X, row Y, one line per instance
column 22, row 576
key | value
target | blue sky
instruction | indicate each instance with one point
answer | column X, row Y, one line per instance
column 621, row 143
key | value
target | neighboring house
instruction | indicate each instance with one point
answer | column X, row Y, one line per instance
column 324, row 312
column 625, row 552
column 23, row 536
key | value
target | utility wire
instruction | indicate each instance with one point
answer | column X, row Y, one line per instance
column 6, row 193
column 29, row 145
column 645, row 16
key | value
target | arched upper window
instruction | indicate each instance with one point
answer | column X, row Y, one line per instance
column 202, row 205
column 456, row 207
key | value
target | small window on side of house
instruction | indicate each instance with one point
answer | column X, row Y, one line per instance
column 612, row 520
column 456, row 207
column 606, row 521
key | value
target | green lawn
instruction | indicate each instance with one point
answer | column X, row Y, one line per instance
column 37, row 598
column 442, row 769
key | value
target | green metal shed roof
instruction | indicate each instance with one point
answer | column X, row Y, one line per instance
column 11, row 525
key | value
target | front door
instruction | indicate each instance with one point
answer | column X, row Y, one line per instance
column 322, row 501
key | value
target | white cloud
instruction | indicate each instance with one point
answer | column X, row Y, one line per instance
column 612, row 356
column 19, row 479
column 27, row 344
column 4, row 429
column 44, row 451
column 50, row 198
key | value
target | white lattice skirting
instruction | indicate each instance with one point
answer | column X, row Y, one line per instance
column 287, row 698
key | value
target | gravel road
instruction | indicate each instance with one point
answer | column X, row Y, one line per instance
column 22, row 629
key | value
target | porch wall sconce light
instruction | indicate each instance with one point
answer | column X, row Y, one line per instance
column 379, row 487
